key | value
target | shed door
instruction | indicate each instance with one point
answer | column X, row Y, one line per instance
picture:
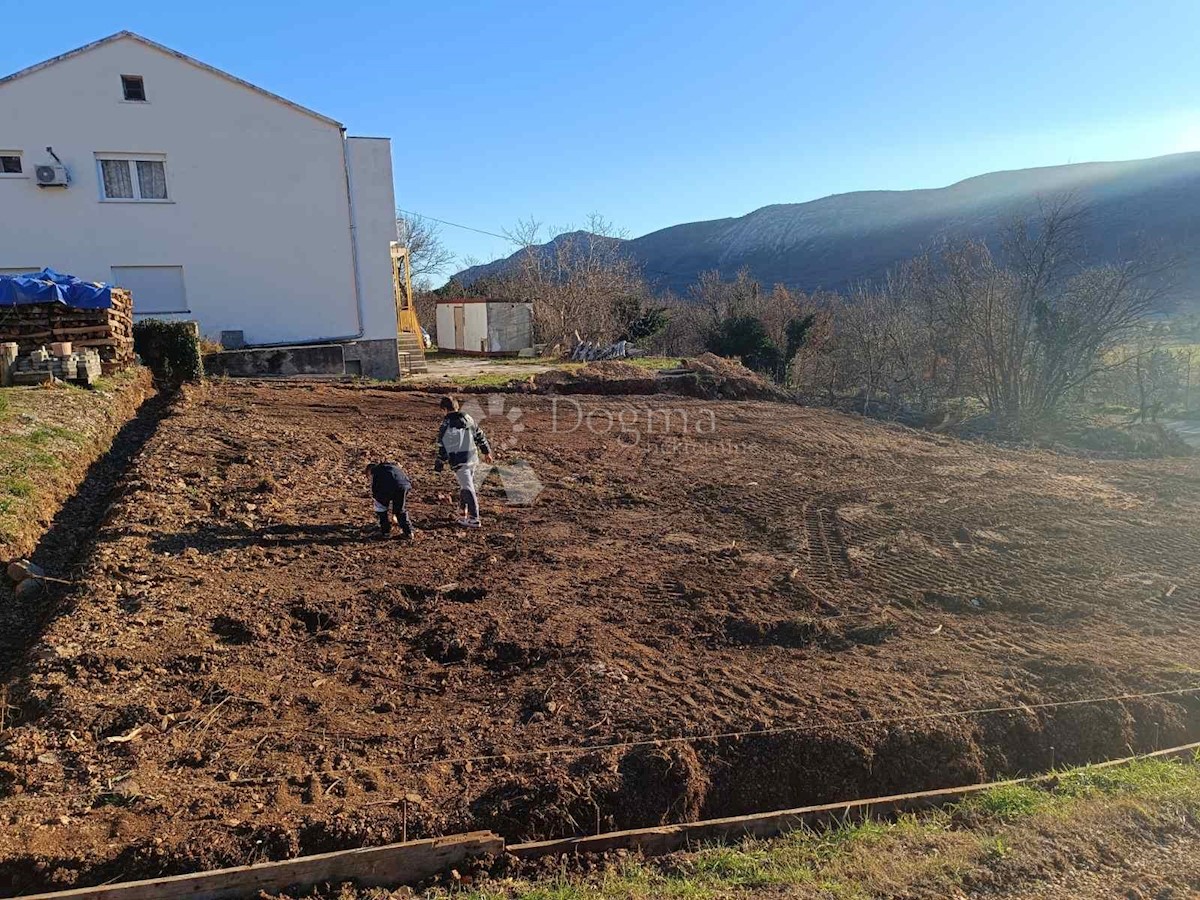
column 155, row 289
column 460, row 328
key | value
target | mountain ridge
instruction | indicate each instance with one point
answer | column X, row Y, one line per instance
column 835, row 241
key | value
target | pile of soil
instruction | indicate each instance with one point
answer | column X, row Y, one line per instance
column 244, row 671
column 707, row 377
column 717, row 378
column 604, row 377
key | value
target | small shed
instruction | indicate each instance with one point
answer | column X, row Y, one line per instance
column 484, row 326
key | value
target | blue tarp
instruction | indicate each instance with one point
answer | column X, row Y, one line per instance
column 48, row 286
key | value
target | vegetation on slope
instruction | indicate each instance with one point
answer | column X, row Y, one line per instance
column 48, row 436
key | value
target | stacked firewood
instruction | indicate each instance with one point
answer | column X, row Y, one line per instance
column 108, row 331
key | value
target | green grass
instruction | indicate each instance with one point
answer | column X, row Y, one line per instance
column 32, row 450
column 1010, row 801
column 482, row 380
column 860, row 860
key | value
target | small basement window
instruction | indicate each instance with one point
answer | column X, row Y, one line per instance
column 10, row 163
column 134, row 88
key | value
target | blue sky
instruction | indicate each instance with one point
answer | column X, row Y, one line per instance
column 657, row 112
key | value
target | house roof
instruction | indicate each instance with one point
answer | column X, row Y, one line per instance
column 121, row 35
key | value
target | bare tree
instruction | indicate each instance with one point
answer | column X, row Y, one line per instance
column 576, row 282
column 1022, row 331
column 428, row 256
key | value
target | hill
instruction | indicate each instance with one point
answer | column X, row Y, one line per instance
column 836, row 241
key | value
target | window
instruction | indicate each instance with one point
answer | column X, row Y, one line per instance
column 142, row 178
column 10, row 163
column 134, row 88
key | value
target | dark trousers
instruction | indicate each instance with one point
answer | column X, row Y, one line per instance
column 398, row 503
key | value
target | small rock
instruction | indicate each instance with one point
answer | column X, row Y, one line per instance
column 127, row 788
column 29, row 589
column 21, row 569
column 48, row 759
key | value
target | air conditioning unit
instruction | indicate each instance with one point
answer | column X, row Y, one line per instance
column 51, row 176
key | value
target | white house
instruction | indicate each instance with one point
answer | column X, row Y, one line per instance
column 484, row 326
column 210, row 198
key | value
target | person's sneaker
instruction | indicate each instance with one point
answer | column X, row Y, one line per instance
column 468, row 522
column 409, row 535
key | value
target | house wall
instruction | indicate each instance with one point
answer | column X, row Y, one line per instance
column 369, row 163
column 258, row 215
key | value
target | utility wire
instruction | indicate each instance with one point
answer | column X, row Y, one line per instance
column 503, row 237
column 512, row 240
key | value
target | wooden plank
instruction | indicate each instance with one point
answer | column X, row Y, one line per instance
column 668, row 838
column 106, row 342
column 388, row 866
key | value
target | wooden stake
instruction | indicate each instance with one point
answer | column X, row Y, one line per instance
column 388, row 866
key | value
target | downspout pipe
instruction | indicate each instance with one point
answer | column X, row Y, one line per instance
column 358, row 298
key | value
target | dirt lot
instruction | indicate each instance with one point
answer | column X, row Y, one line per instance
column 244, row 672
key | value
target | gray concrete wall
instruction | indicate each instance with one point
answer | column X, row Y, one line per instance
column 316, row 359
column 374, row 359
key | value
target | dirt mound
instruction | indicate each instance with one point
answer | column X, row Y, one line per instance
column 707, row 377
column 716, row 378
column 607, row 377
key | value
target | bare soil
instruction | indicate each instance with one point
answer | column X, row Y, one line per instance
column 246, row 672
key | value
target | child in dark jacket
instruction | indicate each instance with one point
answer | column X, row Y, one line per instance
column 389, row 488
column 460, row 442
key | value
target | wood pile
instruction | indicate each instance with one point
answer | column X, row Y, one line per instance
column 108, row 331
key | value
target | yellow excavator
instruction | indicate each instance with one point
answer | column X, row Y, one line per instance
column 410, row 337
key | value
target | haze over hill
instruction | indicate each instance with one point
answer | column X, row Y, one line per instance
column 836, row 241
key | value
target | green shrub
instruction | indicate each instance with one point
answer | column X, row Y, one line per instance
column 170, row 349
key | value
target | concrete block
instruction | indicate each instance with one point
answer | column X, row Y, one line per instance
column 315, row 359
column 375, row 358
column 60, row 348
column 8, row 356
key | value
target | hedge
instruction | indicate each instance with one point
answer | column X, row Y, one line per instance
column 170, row 349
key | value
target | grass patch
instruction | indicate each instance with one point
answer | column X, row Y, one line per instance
column 644, row 362
column 654, row 363
column 1009, row 802
column 483, row 380
column 934, row 850
column 20, row 487
column 43, row 429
